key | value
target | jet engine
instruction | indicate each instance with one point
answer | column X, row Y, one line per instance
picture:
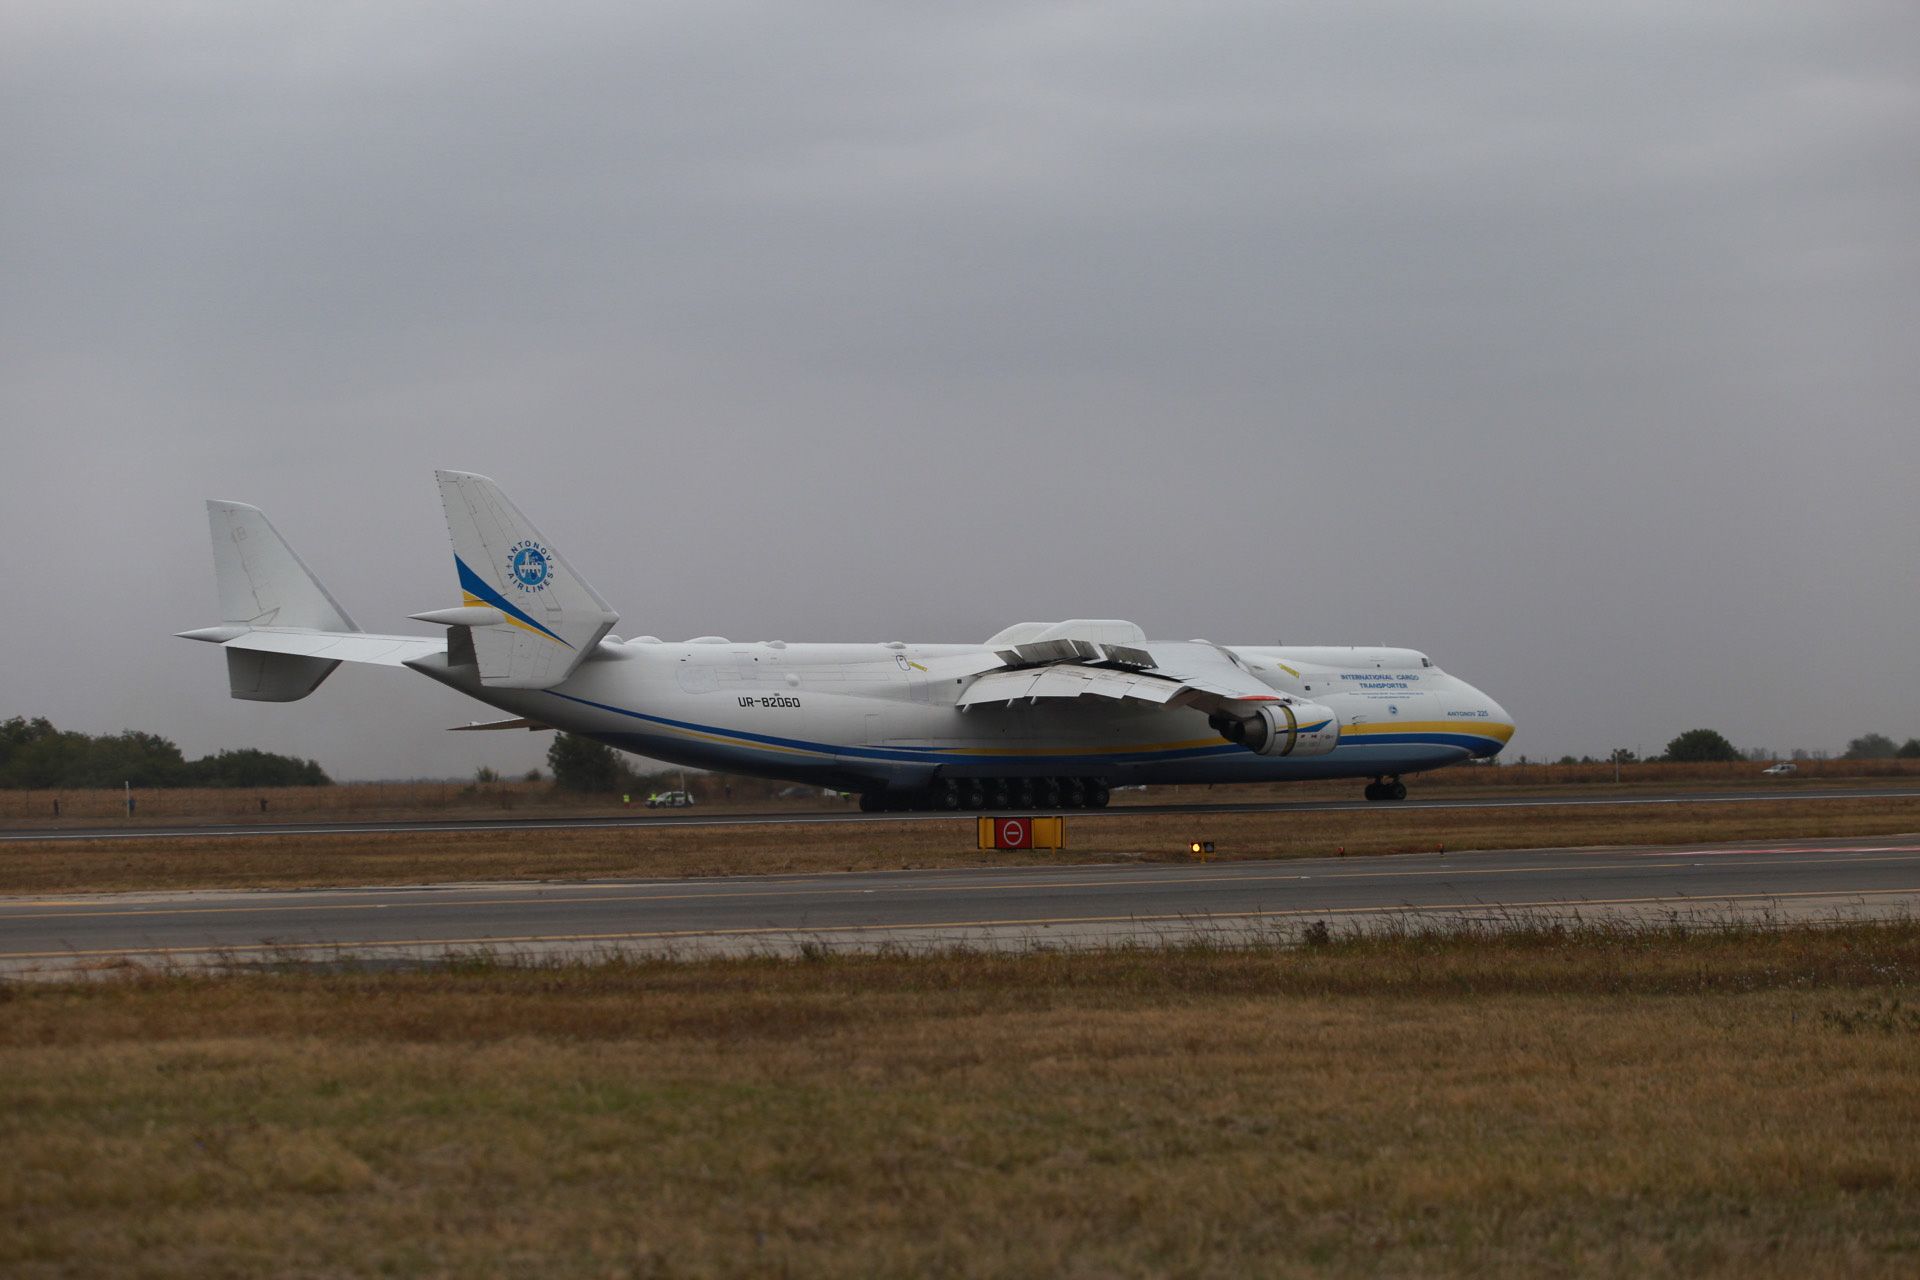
column 1279, row 728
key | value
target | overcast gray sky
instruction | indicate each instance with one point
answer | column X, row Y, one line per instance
column 1573, row 344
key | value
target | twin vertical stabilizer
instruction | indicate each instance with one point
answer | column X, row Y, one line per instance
column 263, row 583
column 529, row 617
column 547, row 617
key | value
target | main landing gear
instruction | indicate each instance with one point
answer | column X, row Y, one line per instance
column 955, row 794
column 1386, row 789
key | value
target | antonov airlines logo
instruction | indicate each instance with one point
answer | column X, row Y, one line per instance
column 529, row 565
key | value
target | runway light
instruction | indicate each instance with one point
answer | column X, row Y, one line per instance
column 1199, row 847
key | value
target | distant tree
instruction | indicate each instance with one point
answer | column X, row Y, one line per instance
column 21, row 732
column 1622, row 756
column 1697, row 745
column 1909, row 750
column 144, row 759
column 581, row 764
column 1870, row 746
column 484, row 775
column 38, row 755
column 35, row 754
column 533, row 775
column 250, row 768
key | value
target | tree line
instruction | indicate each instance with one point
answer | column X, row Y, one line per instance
column 581, row 764
column 1698, row 746
column 36, row 755
column 593, row 768
column 1878, row 746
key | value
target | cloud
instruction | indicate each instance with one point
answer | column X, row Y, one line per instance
column 1567, row 344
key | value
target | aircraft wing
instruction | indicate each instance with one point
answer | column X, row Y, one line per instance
column 1068, row 680
column 330, row 646
column 1181, row 675
column 960, row 666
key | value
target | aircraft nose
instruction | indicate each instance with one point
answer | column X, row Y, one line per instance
column 1498, row 726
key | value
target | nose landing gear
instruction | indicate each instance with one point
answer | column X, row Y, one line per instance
column 1386, row 789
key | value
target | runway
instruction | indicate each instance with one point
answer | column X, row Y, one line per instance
column 1017, row 907
column 810, row 817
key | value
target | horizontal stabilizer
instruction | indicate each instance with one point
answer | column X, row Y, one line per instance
column 472, row 615
column 533, row 726
column 332, row 646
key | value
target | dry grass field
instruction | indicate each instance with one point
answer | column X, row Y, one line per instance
column 397, row 800
column 424, row 857
column 1623, row 1102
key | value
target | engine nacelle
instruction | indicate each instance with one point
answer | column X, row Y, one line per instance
column 1280, row 728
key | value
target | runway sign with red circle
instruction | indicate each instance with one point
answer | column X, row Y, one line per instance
column 1023, row 833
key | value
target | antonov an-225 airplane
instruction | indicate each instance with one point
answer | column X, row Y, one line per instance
column 1040, row 715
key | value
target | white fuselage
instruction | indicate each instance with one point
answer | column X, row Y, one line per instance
column 1039, row 711
column 869, row 716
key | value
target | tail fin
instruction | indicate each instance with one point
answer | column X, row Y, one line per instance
column 264, row 584
column 548, row 617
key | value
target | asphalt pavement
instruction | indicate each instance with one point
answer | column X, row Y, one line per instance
column 1016, row 907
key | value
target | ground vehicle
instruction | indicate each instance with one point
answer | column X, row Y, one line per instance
column 1780, row 768
column 670, row 800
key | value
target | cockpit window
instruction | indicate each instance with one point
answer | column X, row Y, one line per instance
column 1426, row 662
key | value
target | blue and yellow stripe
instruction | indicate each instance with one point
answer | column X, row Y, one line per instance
column 1186, row 749
column 477, row 591
column 1473, row 735
column 1416, row 733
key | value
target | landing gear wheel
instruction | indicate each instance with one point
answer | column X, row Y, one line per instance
column 870, row 802
column 1000, row 794
column 1396, row 790
column 946, row 796
column 1050, row 793
column 1023, row 793
column 1097, row 795
column 1376, row 791
column 1076, row 794
column 976, row 796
